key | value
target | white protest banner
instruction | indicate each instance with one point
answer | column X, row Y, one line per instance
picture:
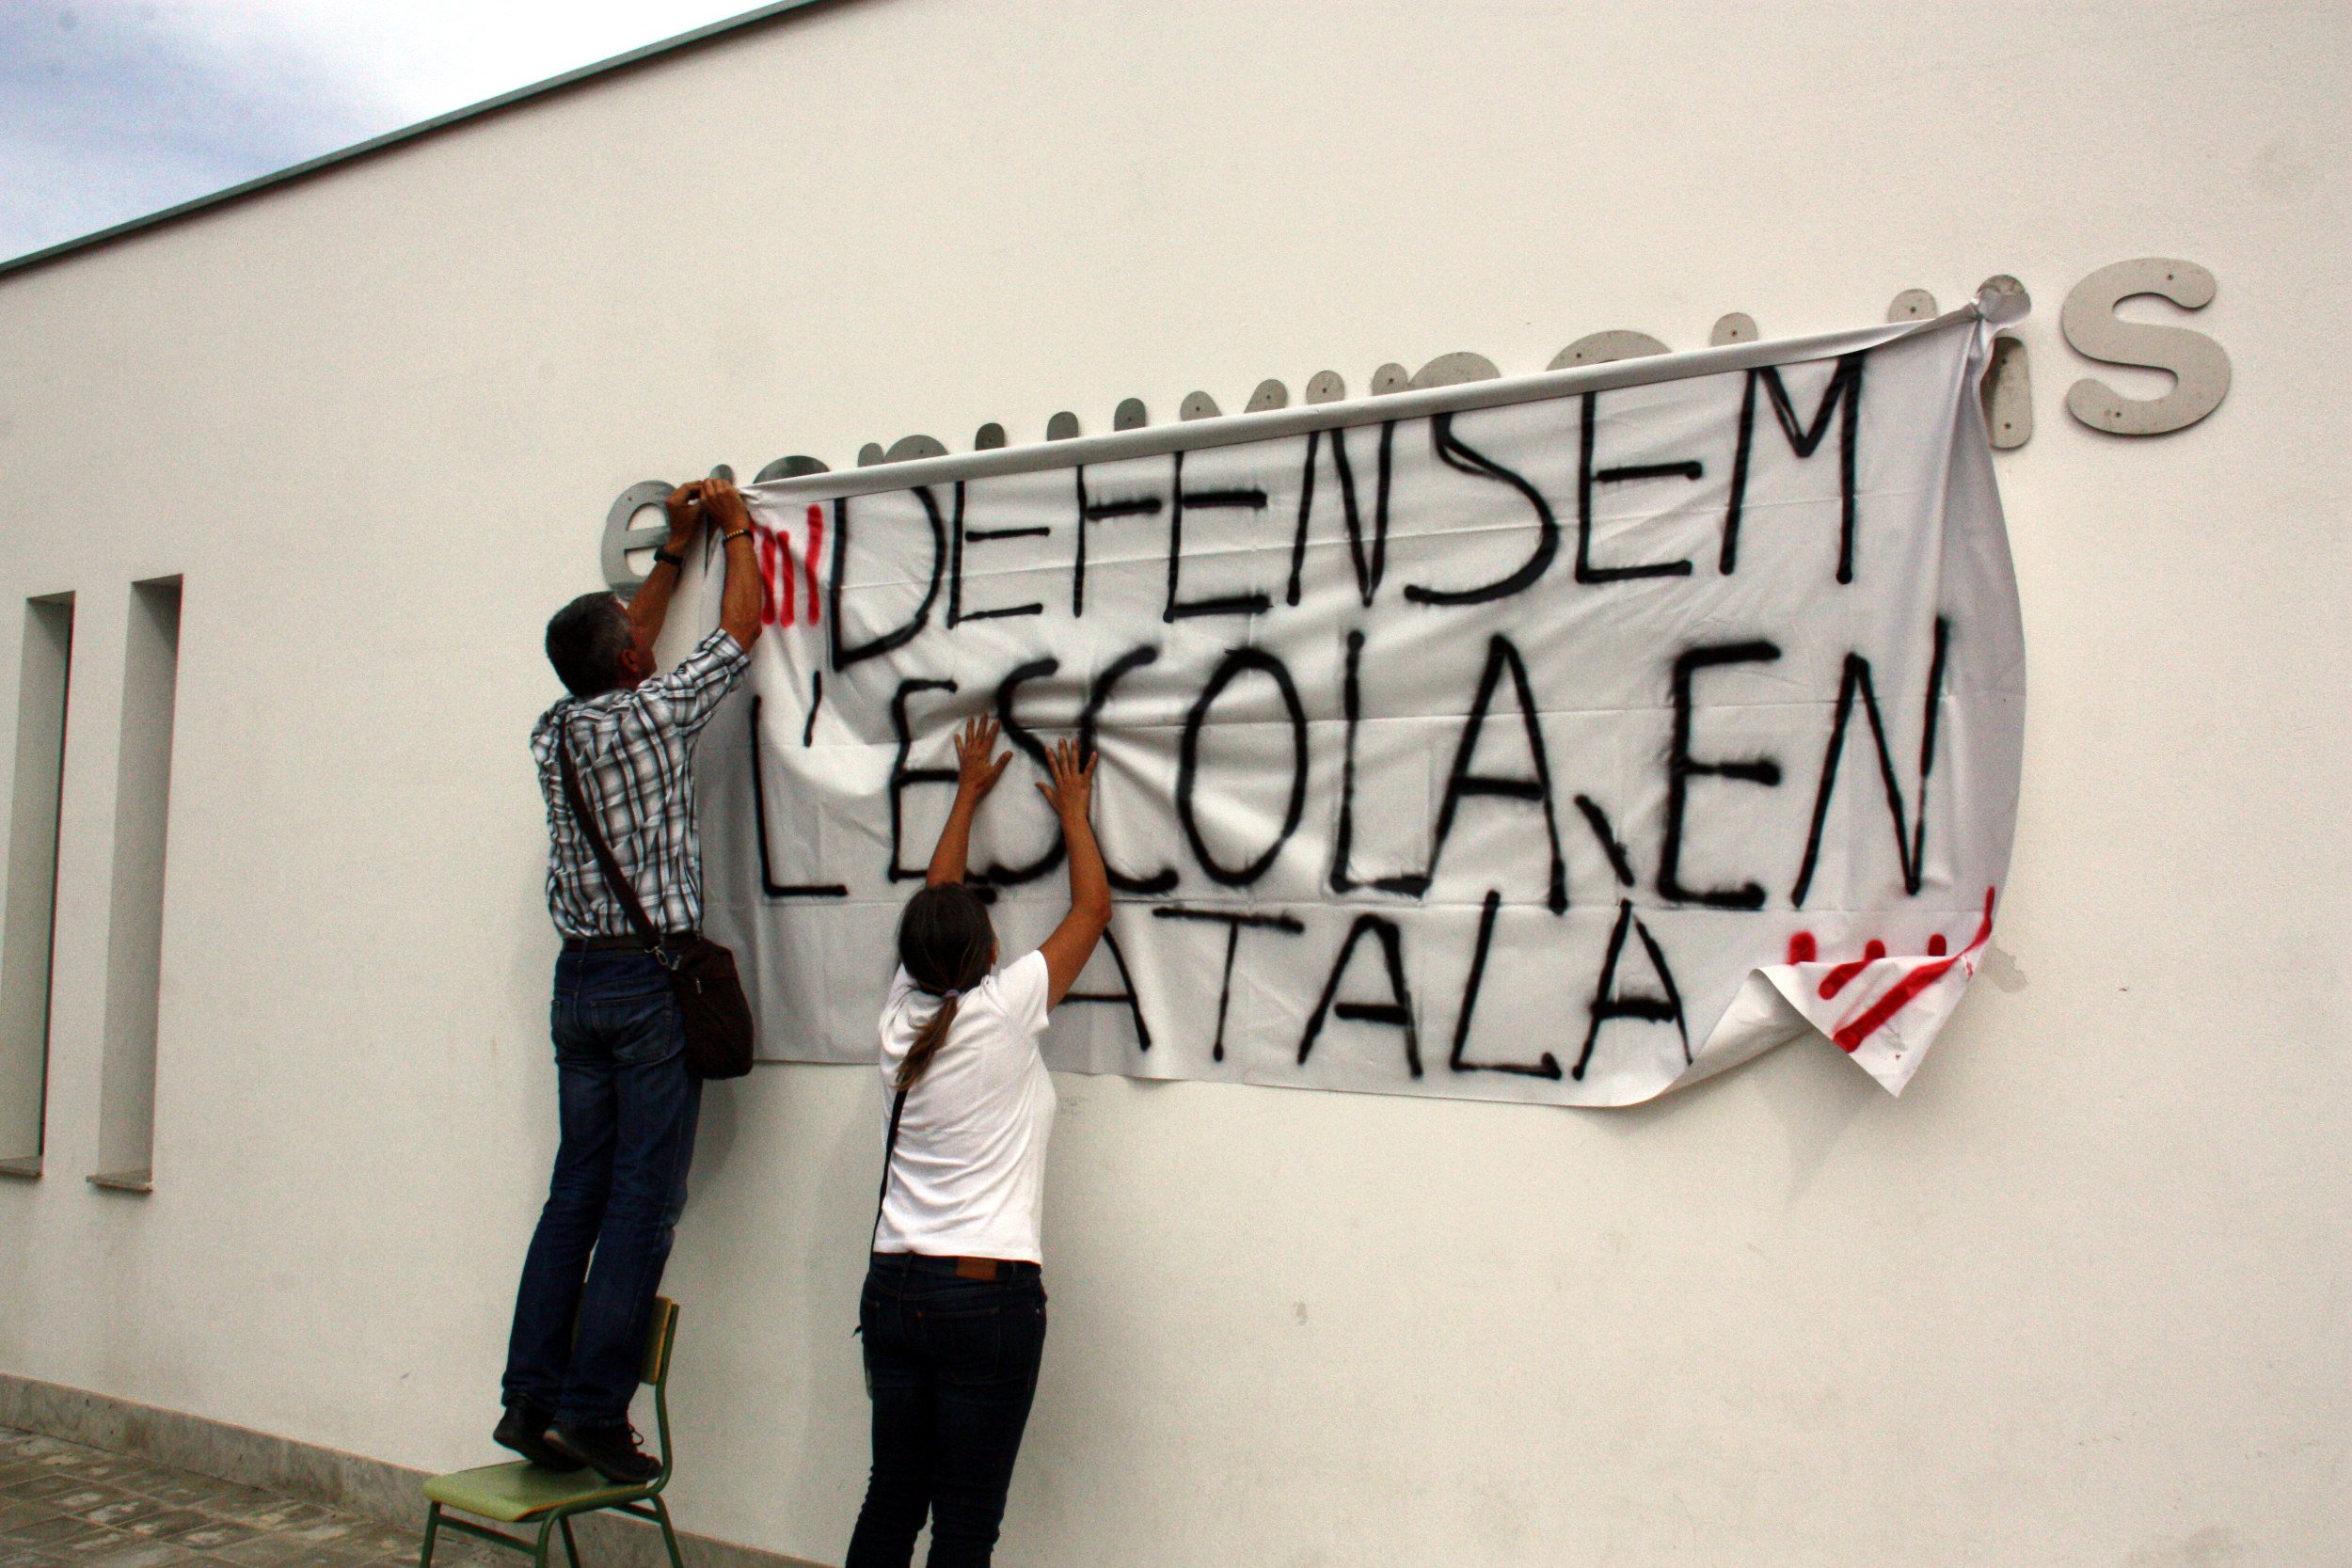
column 1561, row 739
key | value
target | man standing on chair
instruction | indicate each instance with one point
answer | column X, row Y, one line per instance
column 628, row 1103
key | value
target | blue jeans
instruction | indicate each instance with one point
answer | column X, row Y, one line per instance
column 628, row 1108
column 952, row 1365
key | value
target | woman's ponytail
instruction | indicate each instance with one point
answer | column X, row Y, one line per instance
column 928, row 1039
column 947, row 944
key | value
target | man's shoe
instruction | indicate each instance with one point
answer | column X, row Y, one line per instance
column 611, row 1451
column 523, row 1429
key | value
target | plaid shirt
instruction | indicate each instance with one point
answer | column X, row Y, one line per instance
column 633, row 751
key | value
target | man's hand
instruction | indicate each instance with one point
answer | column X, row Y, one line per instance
column 976, row 774
column 724, row 502
column 685, row 508
column 1071, row 793
column 650, row 604
column 741, row 595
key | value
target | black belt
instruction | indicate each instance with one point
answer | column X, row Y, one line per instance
column 615, row 945
column 962, row 1268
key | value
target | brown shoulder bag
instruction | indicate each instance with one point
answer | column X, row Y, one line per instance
column 702, row 972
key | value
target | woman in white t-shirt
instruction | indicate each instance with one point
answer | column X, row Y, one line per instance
column 953, row 1313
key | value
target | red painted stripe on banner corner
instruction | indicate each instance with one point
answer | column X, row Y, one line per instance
column 1901, row 993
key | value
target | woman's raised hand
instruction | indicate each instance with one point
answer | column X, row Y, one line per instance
column 1070, row 791
column 976, row 768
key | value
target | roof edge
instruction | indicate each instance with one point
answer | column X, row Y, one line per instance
column 578, row 77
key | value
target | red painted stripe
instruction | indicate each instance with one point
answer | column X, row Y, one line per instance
column 1837, row 979
column 778, row 574
column 1899, row 996
column 815, row 548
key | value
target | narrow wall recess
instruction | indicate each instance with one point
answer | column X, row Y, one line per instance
column 26, row 939
column 135, row 942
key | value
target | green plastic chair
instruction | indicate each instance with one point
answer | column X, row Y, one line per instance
column 522, row 1493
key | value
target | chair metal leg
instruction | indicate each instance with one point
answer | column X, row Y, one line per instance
column 431, row 1528
column 669, row 1536
column 539, row 1558
column 571, row 1547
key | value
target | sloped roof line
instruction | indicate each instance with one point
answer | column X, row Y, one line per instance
column 406, row 133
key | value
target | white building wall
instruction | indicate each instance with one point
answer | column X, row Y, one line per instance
column 2080, row 1297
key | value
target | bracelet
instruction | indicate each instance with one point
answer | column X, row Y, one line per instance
column 668, row 557
column 730, row 538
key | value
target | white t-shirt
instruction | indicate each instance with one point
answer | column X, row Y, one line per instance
column 968, row 1180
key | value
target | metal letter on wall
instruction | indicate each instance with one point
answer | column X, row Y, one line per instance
column 2007, row 391
column 620, row 538
column 2200, row 367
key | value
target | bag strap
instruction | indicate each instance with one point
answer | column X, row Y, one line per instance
column 890, row 1148
column 586, row 823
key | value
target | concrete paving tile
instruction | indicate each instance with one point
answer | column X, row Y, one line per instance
column 15, row 1511
column 273, row 1513
column 55, row 1533
column 235, row 1502
column 452, row 1550
column 66, row 1505
column 139, row 1478
column 34, row 1447
column 88, row 1498
column 47, row 1484
column 213, row 1534
column 91, row 1465
column 143, row 1554
column 104, row 1505
column 328, row 1557
column 176, row 1487
column 102, row 1544
column 55, row 1449
column 262, row 1551
column 455, row 1552
column 28, row 1448
column 372, row 1538
column 163, row 1526
column 329, row 1531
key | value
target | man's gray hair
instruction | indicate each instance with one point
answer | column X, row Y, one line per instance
column 586, row 639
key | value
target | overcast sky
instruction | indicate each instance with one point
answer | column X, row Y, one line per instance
column 113, row 108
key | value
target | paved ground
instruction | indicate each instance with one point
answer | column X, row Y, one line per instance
column 61, row 1503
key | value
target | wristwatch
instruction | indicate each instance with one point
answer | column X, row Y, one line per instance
column 668, row 557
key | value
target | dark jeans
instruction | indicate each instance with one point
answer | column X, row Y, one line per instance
column 628, row 1108
column 952, row 1366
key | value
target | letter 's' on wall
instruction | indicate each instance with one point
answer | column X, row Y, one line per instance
column 135, row 938
column 32, row 896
